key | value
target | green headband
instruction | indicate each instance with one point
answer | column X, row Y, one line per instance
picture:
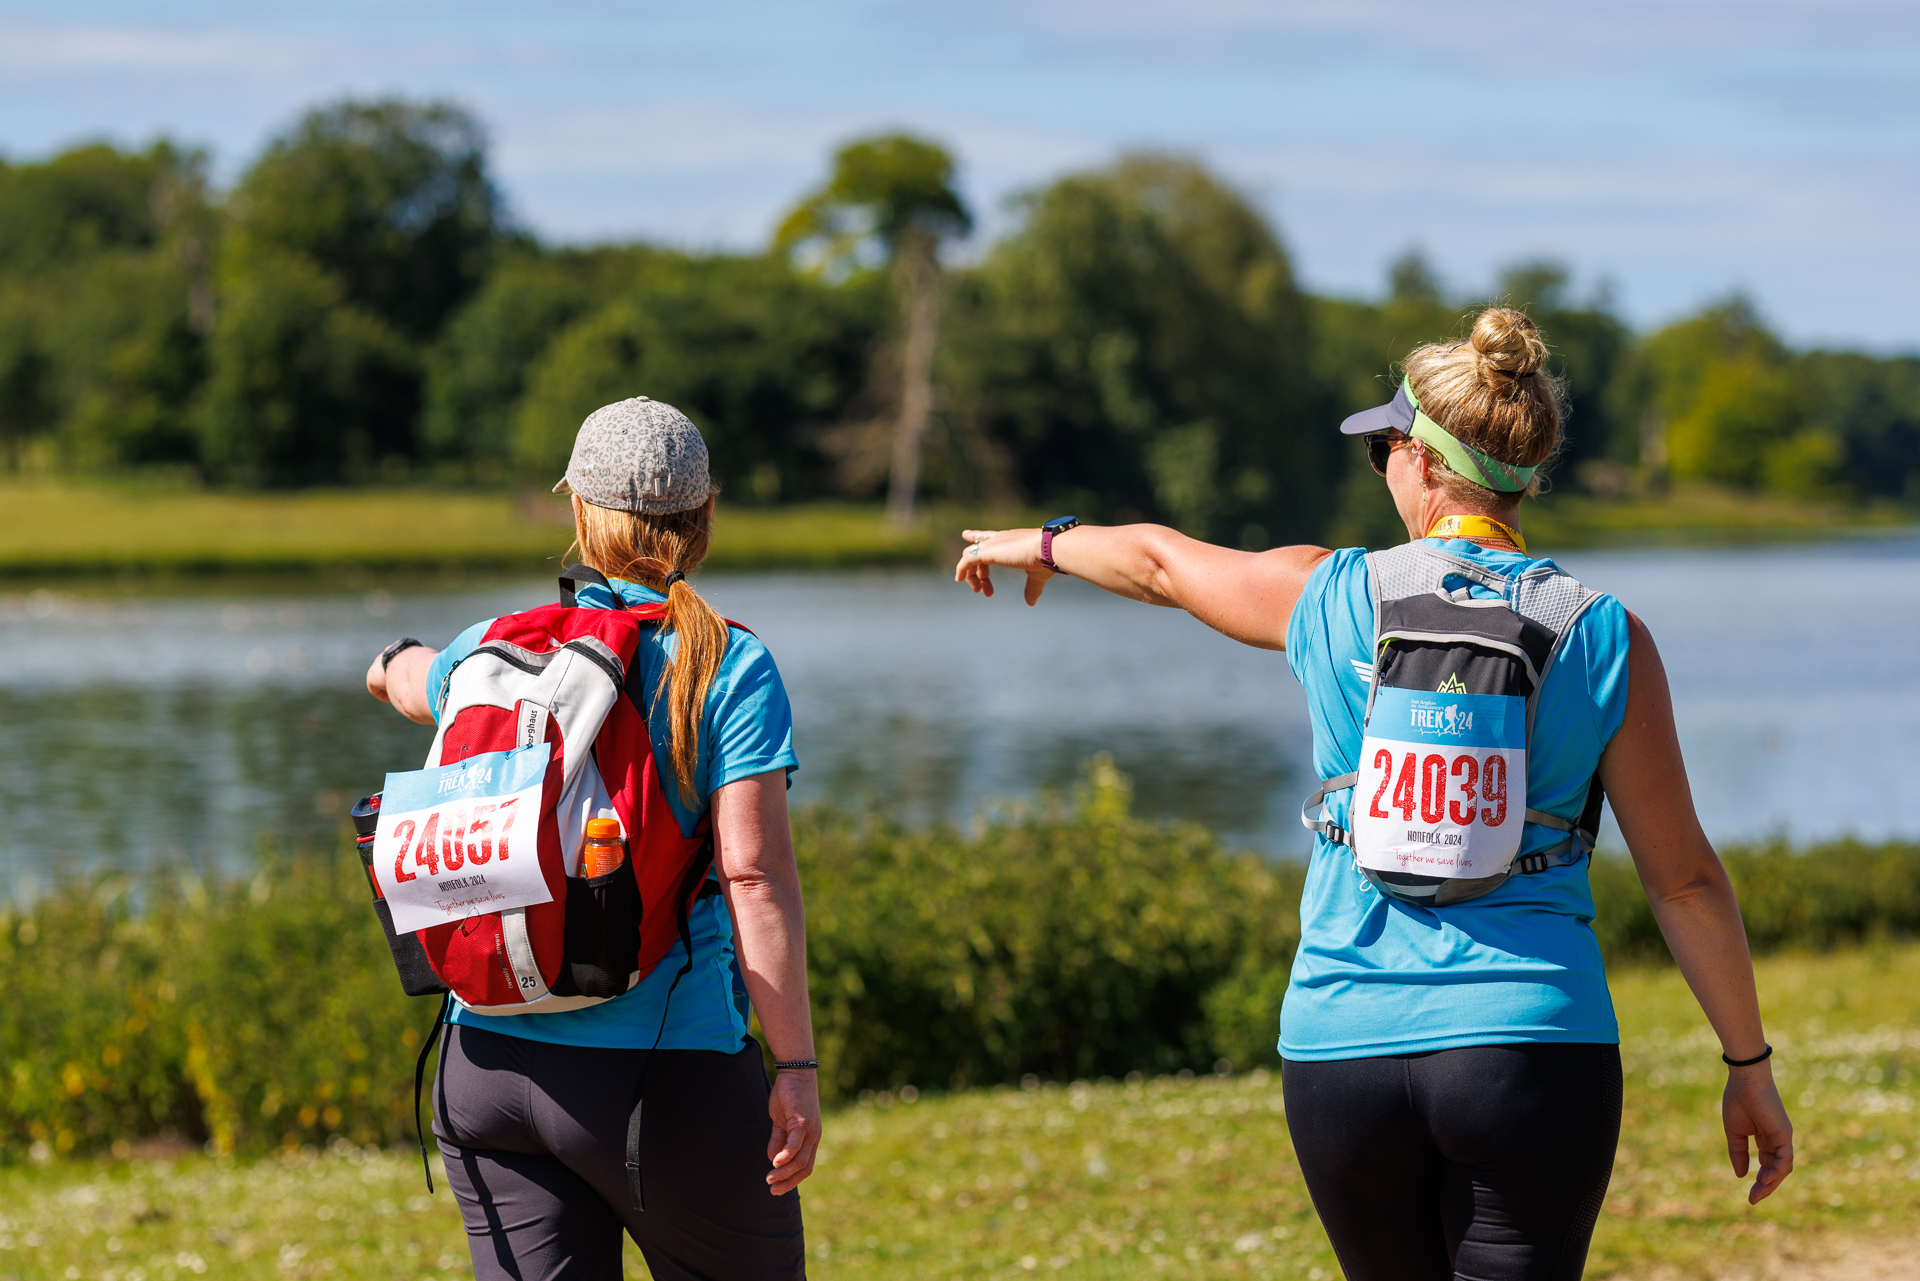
column 1481, row 469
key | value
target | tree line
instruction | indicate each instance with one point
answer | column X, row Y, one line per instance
column 360, row 307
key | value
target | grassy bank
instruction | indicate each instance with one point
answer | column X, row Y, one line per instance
column 51, row 528
column 1701, row 515
column 1161, row 1177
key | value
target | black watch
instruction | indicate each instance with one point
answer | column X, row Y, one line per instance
column 394, row 650
column 1048, row 532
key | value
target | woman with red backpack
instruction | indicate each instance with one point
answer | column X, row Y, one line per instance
column 647, row 1110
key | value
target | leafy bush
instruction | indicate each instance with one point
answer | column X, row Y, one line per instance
column 1067, row 942
column 1844, row 892
column 245, row 1015
column 1072, row 941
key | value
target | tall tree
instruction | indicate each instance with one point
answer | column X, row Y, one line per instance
column 754, row 351
column 27, row 405
column 105, row 302
column 480, row 364
column 353, row 239
column 1719, row 402
column 1589, row 344
column 1139, row 349
column 890, row 197
column 391, row 198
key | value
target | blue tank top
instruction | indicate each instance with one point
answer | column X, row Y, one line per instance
column 1373, row 976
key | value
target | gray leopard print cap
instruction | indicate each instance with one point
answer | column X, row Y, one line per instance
column 641, row 456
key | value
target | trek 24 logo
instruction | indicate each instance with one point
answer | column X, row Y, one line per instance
column 1443, row 718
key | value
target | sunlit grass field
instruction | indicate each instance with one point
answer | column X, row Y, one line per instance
column 1700, row 514
column 145, row 527
column 1166, row 1177
column 49, row 528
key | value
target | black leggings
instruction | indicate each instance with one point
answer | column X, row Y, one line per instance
column 534, row 1137
column 1486, row 1163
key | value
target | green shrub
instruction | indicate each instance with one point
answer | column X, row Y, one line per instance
column 1821, row 897
column 1073, row 941
column 1067, row 942
column 1069, row 939
column 246, row 1015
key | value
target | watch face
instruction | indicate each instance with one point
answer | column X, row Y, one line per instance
column 1060, row 524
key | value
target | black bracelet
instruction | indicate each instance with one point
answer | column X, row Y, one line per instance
column 1762, row 1057
column 399, row 647
column 797, row 1064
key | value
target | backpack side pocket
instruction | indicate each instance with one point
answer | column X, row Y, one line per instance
column 603, row 932
column 416, row 972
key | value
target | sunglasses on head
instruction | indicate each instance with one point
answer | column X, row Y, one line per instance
column 1380, row 447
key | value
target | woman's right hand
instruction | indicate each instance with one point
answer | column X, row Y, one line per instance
column 1016, row 549
column 1751, row 1109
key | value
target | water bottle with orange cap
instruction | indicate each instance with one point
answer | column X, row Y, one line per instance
column 605, row 849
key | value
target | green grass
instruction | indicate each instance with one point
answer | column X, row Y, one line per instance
column 1157, row 1178
column 1701, row 514
column 51, row 528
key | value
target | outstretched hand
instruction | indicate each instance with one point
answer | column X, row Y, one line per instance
column 794, row 1106
column 1751, row 1109
column 1017, row 549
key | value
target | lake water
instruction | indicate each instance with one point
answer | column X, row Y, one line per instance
column 190, row 729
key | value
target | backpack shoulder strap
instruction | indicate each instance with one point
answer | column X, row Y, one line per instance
column 582, row 574
column 1555, row 600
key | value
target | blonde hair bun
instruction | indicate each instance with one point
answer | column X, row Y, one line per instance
column 1492, row 393
column 1506, row 342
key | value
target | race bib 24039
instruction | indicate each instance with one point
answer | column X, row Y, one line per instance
column 462, row 839
column 1442, row 788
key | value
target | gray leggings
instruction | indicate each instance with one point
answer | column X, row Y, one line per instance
column 534, row 1137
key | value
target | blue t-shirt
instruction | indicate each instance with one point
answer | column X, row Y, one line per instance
column 747, row 730
column 1375, row 976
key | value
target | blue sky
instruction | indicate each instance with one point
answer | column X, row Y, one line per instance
column 1676, row 150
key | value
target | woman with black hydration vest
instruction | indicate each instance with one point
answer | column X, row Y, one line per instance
column 1450, row 1057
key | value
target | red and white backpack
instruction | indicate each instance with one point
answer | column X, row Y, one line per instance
column 564, row 677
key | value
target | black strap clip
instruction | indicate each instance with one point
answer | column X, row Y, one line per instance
column 1532, row 864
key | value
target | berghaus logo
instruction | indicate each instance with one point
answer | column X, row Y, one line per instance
column 1451, row 685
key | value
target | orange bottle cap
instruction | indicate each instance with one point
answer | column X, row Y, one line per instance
column 603, row 829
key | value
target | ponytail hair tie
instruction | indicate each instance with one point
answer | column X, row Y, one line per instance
column 675, row 577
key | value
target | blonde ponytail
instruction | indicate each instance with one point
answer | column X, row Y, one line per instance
column 650, row 549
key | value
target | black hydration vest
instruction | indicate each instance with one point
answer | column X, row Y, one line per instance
column 1440, row 787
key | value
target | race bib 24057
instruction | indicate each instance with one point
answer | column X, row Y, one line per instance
column 1442, row 789
column 462, row 839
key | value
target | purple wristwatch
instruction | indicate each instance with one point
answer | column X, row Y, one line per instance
column 1058, row 525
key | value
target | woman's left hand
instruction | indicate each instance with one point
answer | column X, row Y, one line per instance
column 795, row 1108
column 1751, row 1109
column 1017, row 549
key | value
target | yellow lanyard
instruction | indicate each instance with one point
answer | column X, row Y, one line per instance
column 1475, row 527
